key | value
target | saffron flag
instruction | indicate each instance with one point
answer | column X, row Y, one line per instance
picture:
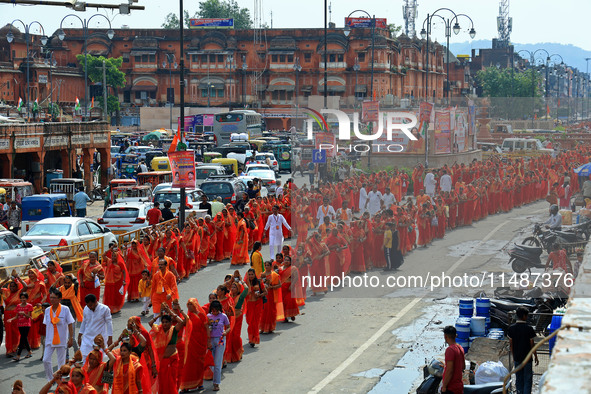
column 77, row 106
column 92, row 103
column 547, row 109
column 19, row 106
column 178, row 143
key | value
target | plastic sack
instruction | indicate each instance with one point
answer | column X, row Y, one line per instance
column 489, row 372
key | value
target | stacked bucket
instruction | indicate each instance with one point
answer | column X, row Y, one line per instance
column 469, row 326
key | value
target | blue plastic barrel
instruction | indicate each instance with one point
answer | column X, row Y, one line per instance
column 463, row 328
column 466, row 307
column 483, row 307
column 477, row 326
column 554, row 325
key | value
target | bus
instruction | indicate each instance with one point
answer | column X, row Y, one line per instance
column 239, row 121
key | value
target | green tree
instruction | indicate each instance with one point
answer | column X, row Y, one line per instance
column 394, row 29
column 115, row 78
column 171, row 20
column 112, row 103
column 213, row 9
column 510, row 92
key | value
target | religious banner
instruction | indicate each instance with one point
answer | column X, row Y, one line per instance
column 370, row 111
column 326, row 139
column 182, row 165
column 460, row 137
column 425, row 111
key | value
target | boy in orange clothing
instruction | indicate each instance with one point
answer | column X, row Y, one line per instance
column 145, row 290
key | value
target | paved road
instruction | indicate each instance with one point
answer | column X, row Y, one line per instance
column 338, row 335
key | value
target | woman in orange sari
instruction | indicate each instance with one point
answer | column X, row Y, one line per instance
column 229, row 233
column 186, row 251
column 94, row 366
column 238, row 292
column 273, row 308
column 222, row 233
column 254, row 306
column 165, row 337
column 240, row 251
column 53, row 273
column 127, row 372
column 11, row 301
column 87, row 274
column 192, row 376
column 227, row 302
column 291, row 290
column 203, row 243
column 34, row 285
column 137, row 260
column 317, row 252
column 170, row 245
column 80, row 381
column 140, row 339
column 116, row 280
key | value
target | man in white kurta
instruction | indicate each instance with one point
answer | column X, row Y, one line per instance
column 445, row 182
column 430, row 184
column 275, row 224
column 362, row 198
column 388, row 198
column 374, row 201
column 59, row 334
column 97, row 320
column 325, row 210
column 345, row 213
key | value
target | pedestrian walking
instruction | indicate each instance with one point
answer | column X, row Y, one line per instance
column 454, row 363
column 23, row 322
column 59, row 333
column 521, row 339
column 154, row 214
column 218, row 328
column 97, row 320
column 80, row 201
column 15, row 217
column 275, row 222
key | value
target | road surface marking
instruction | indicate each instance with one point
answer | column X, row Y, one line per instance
column 388, row 325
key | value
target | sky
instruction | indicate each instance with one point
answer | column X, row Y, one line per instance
column 533, row 20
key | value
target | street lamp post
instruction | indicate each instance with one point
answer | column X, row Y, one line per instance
column 532, row 59
column 426, row 33
column 85, row 23
column 171, row 61
column 244, row 69
column 356, row 68
column 297, row 68
column 51, row 62
column 347, row 31
column 10, row 38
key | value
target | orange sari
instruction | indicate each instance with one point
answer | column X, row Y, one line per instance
column 168, row 372
column 124, row 375
column 136, row 263
column 70, row 294
column 273, row 308
column 240, row 251
column 86, row 281
column 163, row 285
column 37, row 295
column 291, row 291
column 95, row 376
column 11, row 301
column 194, row 368
column 116, row 279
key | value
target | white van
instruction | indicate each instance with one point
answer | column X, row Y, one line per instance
column 523, row 144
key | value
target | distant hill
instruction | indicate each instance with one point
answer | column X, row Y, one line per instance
column 572, row 55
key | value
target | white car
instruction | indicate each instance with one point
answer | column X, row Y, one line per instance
column 57, row 232
column 174, row 195
column 267, row 177
column 125, row 217
column 204, row 171
column 256, row 166
column 261, row 158
column 15, row 251
column 161, row 186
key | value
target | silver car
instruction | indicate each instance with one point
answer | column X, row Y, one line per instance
column 15, row 251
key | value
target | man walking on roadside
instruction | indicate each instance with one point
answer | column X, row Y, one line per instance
column 80, row 200
column 521, row 339
column 97, row 320
column 454, row 363
column 59, row 333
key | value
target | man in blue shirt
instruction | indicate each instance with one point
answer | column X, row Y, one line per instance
column 80, row 200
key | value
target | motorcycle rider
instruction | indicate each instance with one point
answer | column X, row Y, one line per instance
column 555, row 220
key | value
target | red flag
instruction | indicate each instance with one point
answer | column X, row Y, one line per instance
column 547, row 109
column 535, row 116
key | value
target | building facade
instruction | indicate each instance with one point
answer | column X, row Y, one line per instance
column 229, row 68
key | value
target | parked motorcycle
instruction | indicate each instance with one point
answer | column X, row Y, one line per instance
column 547, row 238
column 524, row 258
column 433, row 374
column 541, row 238
column 539, row 304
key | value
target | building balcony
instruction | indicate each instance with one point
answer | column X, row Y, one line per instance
column 333, row 65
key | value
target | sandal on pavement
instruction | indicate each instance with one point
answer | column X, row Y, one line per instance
column 216, row 387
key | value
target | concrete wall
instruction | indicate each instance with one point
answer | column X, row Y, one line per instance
column 571, row 358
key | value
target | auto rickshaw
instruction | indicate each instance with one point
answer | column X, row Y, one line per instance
column 16, row 189
column 231, row 165
column 131, row 193
column 154, row 178
column 161, row 163
column 282, row 153
column 69, row 186
column 258, row 143
column 208, row 157
column 42, row 206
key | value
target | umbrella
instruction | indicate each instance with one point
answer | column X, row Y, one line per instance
column 584, row 170
column 154, row 135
